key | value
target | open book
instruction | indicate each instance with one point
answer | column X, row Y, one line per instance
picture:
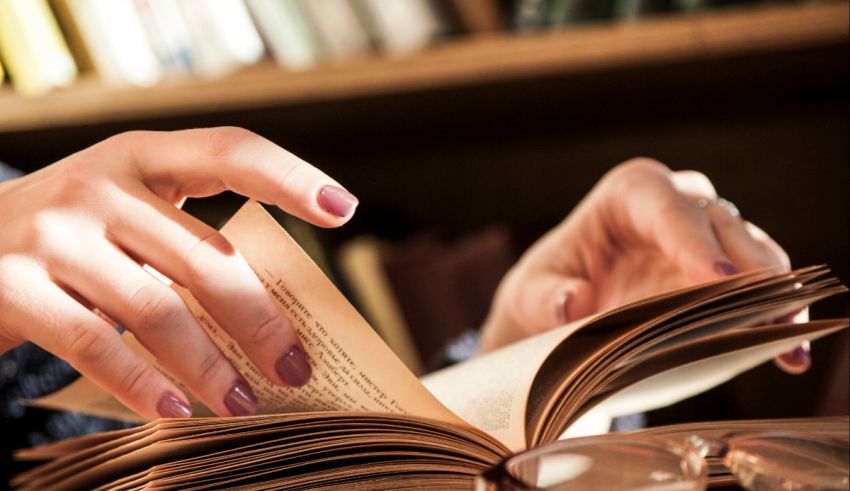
column 365, row 418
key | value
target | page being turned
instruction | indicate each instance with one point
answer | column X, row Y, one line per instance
column 353, row 369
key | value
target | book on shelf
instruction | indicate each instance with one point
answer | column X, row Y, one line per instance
column 168, row 35
column 338, row 28
column 32, row 47
column 365, row 418
column 114, row 39
column 360, row 263
column 477, row 16
column 223, row 35
column 401, row 26
column 287, row 33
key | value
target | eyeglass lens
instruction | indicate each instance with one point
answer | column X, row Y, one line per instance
column 624, row 465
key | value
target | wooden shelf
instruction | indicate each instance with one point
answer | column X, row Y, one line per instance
column 470, row 61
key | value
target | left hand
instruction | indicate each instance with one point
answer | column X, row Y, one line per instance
column 642, row 230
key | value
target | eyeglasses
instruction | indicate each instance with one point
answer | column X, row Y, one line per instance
column 762, row 461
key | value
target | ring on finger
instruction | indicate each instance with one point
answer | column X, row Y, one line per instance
column 704, row 203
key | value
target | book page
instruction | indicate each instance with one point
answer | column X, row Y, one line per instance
column 353, row 369
column 490, row 391
column 687, row 380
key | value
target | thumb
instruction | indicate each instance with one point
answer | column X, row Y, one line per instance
column 545, row 300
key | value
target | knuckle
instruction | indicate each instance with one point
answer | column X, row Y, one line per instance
column 87, row 345
column 76, row 178
column 119, row 144
column 263, row 331
column 225, row 141
column 125, row 139
column 673, row 208
column 55, row 235
column 136, row 380
column 201, row 257
column 291, row 175
column 43, row 230
column 211, row 365
column 642, row 166
column 156, row 307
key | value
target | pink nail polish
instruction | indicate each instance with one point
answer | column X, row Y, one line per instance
column 240, row 399
column 337, row 201
column 171, row 406
column 293, row 367
column 562, row 308
column 798, row 359
column 725, row 268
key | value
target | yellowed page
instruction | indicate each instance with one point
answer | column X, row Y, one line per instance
column 693, row 378
column 491, row 391
column 353, row 370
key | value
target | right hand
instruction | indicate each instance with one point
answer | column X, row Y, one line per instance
column 75, row 234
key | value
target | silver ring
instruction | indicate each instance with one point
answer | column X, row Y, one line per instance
column 704, row 203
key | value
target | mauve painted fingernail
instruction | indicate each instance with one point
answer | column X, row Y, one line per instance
column 799, row 357
column 171, row 406
column 337, row 201
column 725, row 268
column 293, row 367
column 562, row 308
column 240, row 399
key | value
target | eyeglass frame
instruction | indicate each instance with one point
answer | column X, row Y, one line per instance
column 694, row 450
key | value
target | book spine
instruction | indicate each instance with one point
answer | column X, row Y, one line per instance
column 531, row 15
column 338, row 28
column 73, row 36
column 113, row 33
column 400, row 26
column 286, row 32
column 168, row 34
column 32, row 47
column 223, row 34
column 564, row 12
column 477, row 16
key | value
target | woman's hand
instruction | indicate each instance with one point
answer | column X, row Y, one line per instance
column 75, row 233
column 642, row 230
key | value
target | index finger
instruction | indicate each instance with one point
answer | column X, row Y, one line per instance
column 206, row 161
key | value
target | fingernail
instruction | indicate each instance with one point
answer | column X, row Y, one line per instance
column 337, row 201
column 240, row 400
column 725, row 268
column 561, row 309
column 293, row 367
column 799, row 358
column 171, row 406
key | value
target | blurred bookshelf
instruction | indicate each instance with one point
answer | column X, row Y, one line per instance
column 462, row 61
